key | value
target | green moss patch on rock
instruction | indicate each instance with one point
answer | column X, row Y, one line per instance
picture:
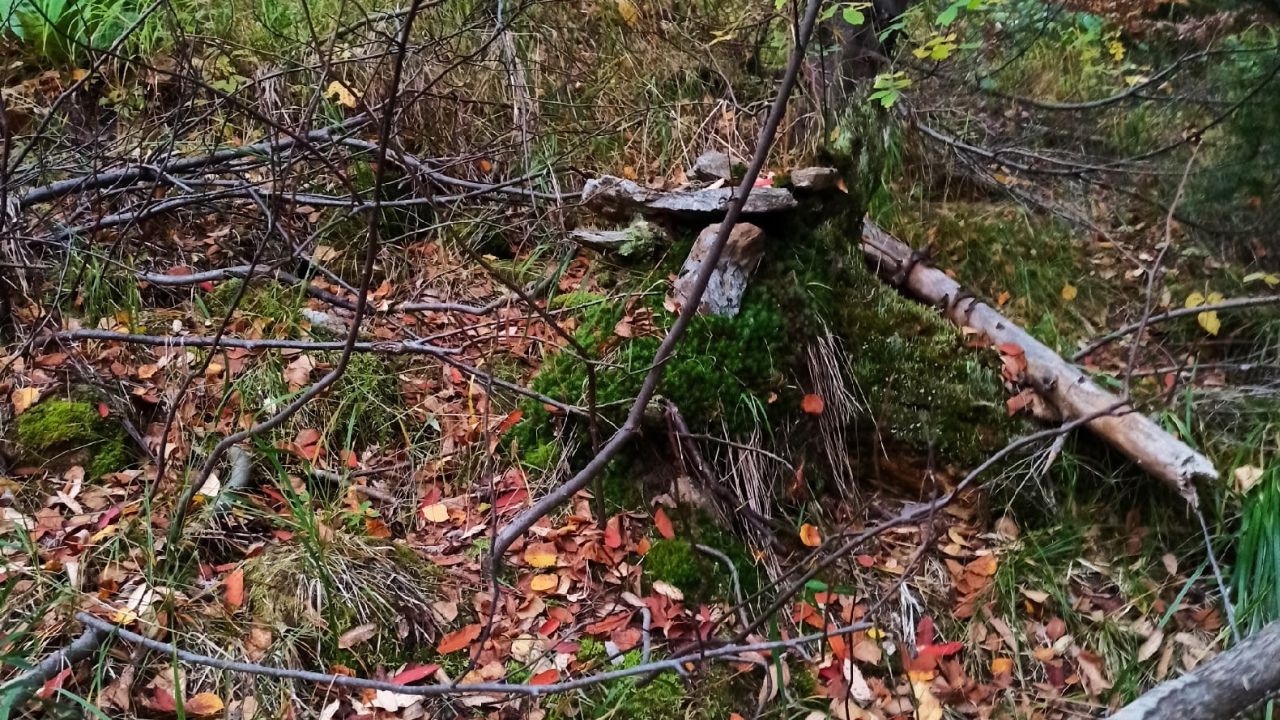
column 57, row 426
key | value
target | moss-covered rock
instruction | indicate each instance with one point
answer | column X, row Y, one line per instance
column 57, row 426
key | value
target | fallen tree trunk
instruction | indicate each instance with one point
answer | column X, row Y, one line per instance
column 1061, row 384
column 1227, row 686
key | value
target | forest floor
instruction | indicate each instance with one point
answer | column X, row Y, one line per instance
column 353, row 538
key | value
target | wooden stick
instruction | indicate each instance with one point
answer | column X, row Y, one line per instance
column 1063, row 385
column 1227, row 686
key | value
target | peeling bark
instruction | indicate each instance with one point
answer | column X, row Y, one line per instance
column 1225, row 687
column 1061, row 384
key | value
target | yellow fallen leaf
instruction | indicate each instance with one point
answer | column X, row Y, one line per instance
column 810, row 536
column 927, row 706
column 340, row 94
column 23, row 398
column 1069, row 292
column 627, row 9
column 1209, row 321
column 1195, row 299
column 435, row 512
column 540, row 555
column 542, row 583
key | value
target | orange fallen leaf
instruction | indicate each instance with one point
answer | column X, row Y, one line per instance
column 663, row 523
column 1001, row 665
column 542, row 583
column 205, row 703
column 810, row 536
column 458, row 640
column 233, row 589
column 812, row 404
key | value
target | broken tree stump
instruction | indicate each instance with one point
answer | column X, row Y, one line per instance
column 615, row 196
column 1061, row 384
column 729, row 280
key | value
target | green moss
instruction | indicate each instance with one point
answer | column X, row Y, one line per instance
column 699, row 576
column 712, row 696
column 57, row 422
column 58, row 425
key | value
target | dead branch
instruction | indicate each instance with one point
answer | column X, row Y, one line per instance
column 15, row 693
column 1232, row 304
column 677, row 663
column 1063, row 385
column 1225, row 687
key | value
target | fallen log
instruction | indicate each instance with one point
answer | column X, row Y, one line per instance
column 1062, row 385
column 1228, row 686
column 618, row 197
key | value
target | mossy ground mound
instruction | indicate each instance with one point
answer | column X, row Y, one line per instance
column 59, row 427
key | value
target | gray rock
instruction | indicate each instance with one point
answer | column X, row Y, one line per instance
column 637, row 240
column 615, row 196
column 815, row 178
column 728, row 283
column 710, row 166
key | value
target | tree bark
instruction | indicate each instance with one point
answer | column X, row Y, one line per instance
column 1225, row 687
column 1061, row 384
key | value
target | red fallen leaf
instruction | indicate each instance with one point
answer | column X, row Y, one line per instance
column 163, row 701
column 509, row 421
column 458, row 640
column 546, row 677
column 625, row 638
column 207, row 286
column 613, row 533
column 179, row 271
column 511, row 499
column 866, row 561
column 414, row 673
column 812, row 404
column 349, row 459
column 1011, row 349
column 111, row 514
column 55, row 682
column 608, row 624
column 233, row 589
column 663, row 524
column 308, row 436
column 103, row 410
column 548, row 628
column 927, row 652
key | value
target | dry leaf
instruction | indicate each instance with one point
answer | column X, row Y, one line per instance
column 627, row 9
column 810, row 536
column 927, row 706
column 357, row 635
column 1246, row 477
column 233, row 588
column 1001, row 665
column 663, row 523
column 340, row 94
column 540, row 555
column 1069, row 292
column 1149, row 646
column 667, row 590
column 436, row 513
column 455, row 641
column 23, row 398
column 203, row 704
column 812, row 404
column 542, row 583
